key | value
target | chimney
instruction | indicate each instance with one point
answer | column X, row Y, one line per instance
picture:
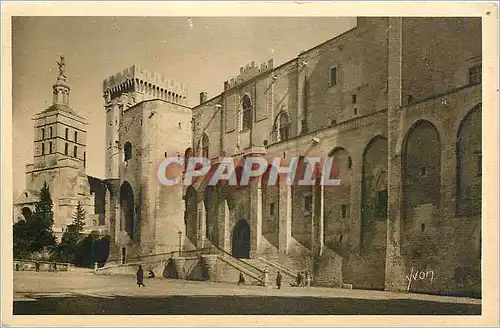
column 203, row 97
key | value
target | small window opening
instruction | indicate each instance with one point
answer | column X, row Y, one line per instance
column 308, row 203
column 344, row 210
column 475, row 75
column 333, row 76
column 127, row 149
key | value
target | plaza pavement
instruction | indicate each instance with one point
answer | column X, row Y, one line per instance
column 86, row 293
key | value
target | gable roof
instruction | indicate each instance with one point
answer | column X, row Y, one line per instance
column 28, row 196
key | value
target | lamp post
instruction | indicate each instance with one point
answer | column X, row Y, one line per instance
column 180, row 244
column 93, row 241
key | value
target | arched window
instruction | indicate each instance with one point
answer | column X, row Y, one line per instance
column 50, row 132
column 247, row 112
column 282, row 127
column 43, row 134
column 205, row 142
column 74, row 151
column 127, row 150
column 76, row 136
column 50, row 147
column 66, row 133
column 187, row 155
column 43, row 149
column 66, row 149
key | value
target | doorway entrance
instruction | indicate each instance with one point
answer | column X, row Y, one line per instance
column 241, row 240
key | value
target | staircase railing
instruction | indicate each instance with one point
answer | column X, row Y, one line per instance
column 159, row 256
column 247, row 268
column 279, row 267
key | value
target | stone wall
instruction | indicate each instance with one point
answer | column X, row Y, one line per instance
column 440, row 242
column 207, row 120
column 358, row 56
column 434, row 236
column 432, row 68
column 402, row 205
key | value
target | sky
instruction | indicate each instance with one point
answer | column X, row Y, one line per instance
column 201, row 52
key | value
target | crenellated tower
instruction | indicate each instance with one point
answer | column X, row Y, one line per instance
column 143, row 111
column 122, row 91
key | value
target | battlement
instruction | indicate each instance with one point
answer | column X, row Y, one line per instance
column 139, row 78
column 248, row 72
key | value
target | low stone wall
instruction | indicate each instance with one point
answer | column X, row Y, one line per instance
column 131, row 268
column 31, row 265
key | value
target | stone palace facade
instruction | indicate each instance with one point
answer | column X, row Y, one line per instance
column 396, row 102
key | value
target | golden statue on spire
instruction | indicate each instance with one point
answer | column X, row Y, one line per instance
column 61, row 65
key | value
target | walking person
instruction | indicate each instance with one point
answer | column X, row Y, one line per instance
column 299, row 279
column 140, row 277
column 241, row 280
column 308, row 279
column 279, row 277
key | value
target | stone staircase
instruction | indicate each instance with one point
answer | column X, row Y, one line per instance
column 294, row 263
column 252, row 273
column 272, row 268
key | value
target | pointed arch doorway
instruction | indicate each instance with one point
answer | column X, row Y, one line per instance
column 241, row 240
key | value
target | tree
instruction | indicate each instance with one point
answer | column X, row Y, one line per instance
column 21, row 239
column 67, row 249
column 35, row 234
column 40, row 228
column 78, row 219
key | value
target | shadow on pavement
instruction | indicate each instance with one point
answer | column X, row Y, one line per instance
column 235, row 305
